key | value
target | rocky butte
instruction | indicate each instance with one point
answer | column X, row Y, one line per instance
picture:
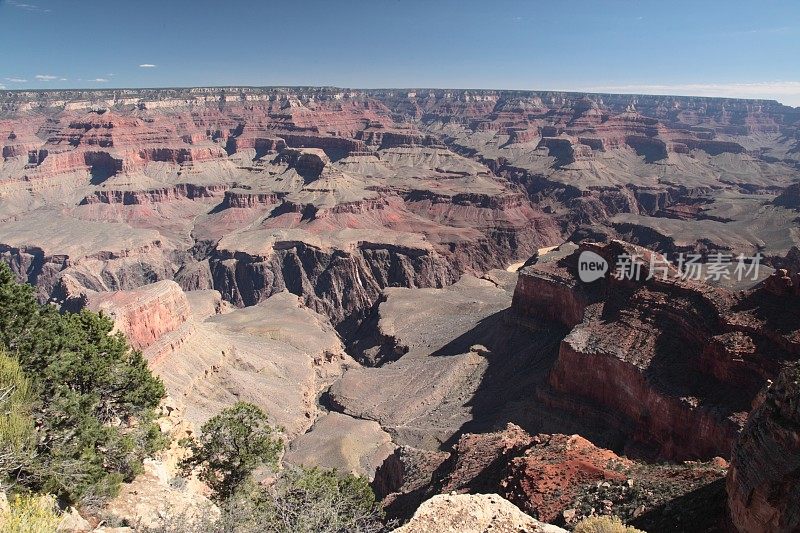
column 340, row 257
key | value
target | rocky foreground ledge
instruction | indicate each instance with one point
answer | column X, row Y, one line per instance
column 473, row 513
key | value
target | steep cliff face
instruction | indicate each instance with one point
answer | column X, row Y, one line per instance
column 182, row 191
column 333, row 282
column 147, row 314
column 673, row 364
column 46, row 247
column 763, row 482
column 210, row 354
column 551, row 297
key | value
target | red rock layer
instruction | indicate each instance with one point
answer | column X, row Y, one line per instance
column 563, row 478
column 674, row 365
column 184, row 191
column 147, row 314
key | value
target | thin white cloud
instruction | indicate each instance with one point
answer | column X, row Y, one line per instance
column 147, row 65
column 2, row 86
column 33, row 8
column 761, row 31
column 62, row 79
column 99, row 80
column 16, row 80
column 786, row 92
column 46, row 77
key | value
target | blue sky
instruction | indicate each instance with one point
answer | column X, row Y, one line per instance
column 724, row 48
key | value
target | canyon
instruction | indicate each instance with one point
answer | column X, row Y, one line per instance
column 341, row 258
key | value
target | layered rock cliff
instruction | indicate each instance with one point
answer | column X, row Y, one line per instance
column 763, row 482
column 561, row 479
column 674, row 364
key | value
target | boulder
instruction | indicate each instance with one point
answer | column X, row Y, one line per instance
column 473, row 513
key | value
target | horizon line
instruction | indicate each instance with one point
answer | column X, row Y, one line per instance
column 368, row 89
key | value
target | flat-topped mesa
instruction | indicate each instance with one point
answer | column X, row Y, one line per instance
column 137, row 158
column 560, row 148
column 673, row 365
column 542, row 287
column 395, row 139
column 262, row 145
column 248, row 199
column 712, row 147
column 17, row 140
column 334, row 147
column 187, row 191
column 308, row 162
column 467, row 199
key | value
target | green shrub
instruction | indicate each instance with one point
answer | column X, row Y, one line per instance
column 312, row 499
column 604, row 524
column 301, row 500
column 238, row 440
column 94, row 398
column 231, row 445
column 16, row 408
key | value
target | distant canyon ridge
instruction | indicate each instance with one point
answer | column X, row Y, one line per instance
column 248, row 191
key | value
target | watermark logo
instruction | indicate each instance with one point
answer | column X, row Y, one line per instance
column 591, row 266
column 715, row 266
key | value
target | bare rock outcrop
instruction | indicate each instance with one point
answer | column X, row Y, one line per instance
column 673, row 364
column 473, row 513
column 147, row 314
column 161, row 492
column 309, row 162
column 763, row 484
column 561, row 479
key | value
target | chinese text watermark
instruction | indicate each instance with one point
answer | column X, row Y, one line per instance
column 716, row 266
